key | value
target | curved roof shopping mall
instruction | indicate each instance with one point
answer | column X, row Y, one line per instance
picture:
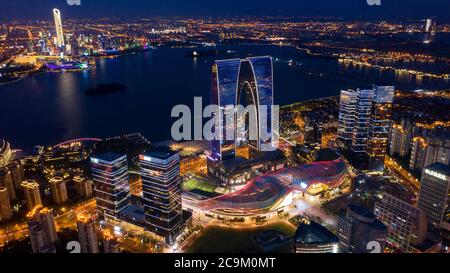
column 270, row 192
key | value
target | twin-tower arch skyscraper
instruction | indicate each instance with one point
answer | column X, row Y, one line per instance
column 243, row 82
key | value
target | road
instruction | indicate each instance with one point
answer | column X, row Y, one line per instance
column 65, row 220
column 403, row 175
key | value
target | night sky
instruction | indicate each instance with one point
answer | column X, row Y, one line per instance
column 40, row 9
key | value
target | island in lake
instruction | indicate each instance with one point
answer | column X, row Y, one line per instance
column 105, row 89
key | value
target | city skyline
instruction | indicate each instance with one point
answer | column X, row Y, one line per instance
column 352, row 9
column 343, row 146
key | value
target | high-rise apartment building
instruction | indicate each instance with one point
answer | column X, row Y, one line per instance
column 242, row 82
column 5, row 205
column 6, row 179
column 401, row 138
column 42, row 228
column 46, row 218
column 347, row 106
column 59, row 189
column 32, row 193
column 37, row 239
column 379, row 126
column 83, row 186
column 430, row 144
column 364, row 123
column 362, row 113
column 86, row 234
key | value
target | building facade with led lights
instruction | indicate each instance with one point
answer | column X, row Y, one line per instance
column 364, row 123
column 161, row 185
column 111, row 184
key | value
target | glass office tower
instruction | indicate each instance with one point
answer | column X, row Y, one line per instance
column 364, row 123
column 347, row 106
column 161, row 186
column 58, row 27
column 362, row 120
column 242, row 82
column 224, row 85
column 111, row 183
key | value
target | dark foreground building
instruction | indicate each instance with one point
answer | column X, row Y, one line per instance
column 358, row 228
column 314, row 238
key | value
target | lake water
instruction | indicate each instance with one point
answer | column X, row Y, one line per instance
column 52, row 107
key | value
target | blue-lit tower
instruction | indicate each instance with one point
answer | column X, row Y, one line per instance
column 243, row 82
column 111, row 183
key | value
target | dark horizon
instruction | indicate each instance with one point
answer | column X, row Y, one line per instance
column 348, row 9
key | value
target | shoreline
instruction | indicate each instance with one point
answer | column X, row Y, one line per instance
column 125, row 53
column 295, row 47
column 22, row 78
column 28, row 145
column 159, row 142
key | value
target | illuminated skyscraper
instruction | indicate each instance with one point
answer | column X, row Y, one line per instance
column 59, row 190
column 379, row 126
column 434, row 194
column 86, row 234
column 161, row 185
column 59, row 29
column 354, row 116
column 401, row 138
column 42, row 228
column 418, row 152
column 362, row 120
column 32, row 193
column 111, row 183
column 242, row 82
column 431, row 144
column 347, row 106
column 37, row 238
column 5, row 205
column 397, row 145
